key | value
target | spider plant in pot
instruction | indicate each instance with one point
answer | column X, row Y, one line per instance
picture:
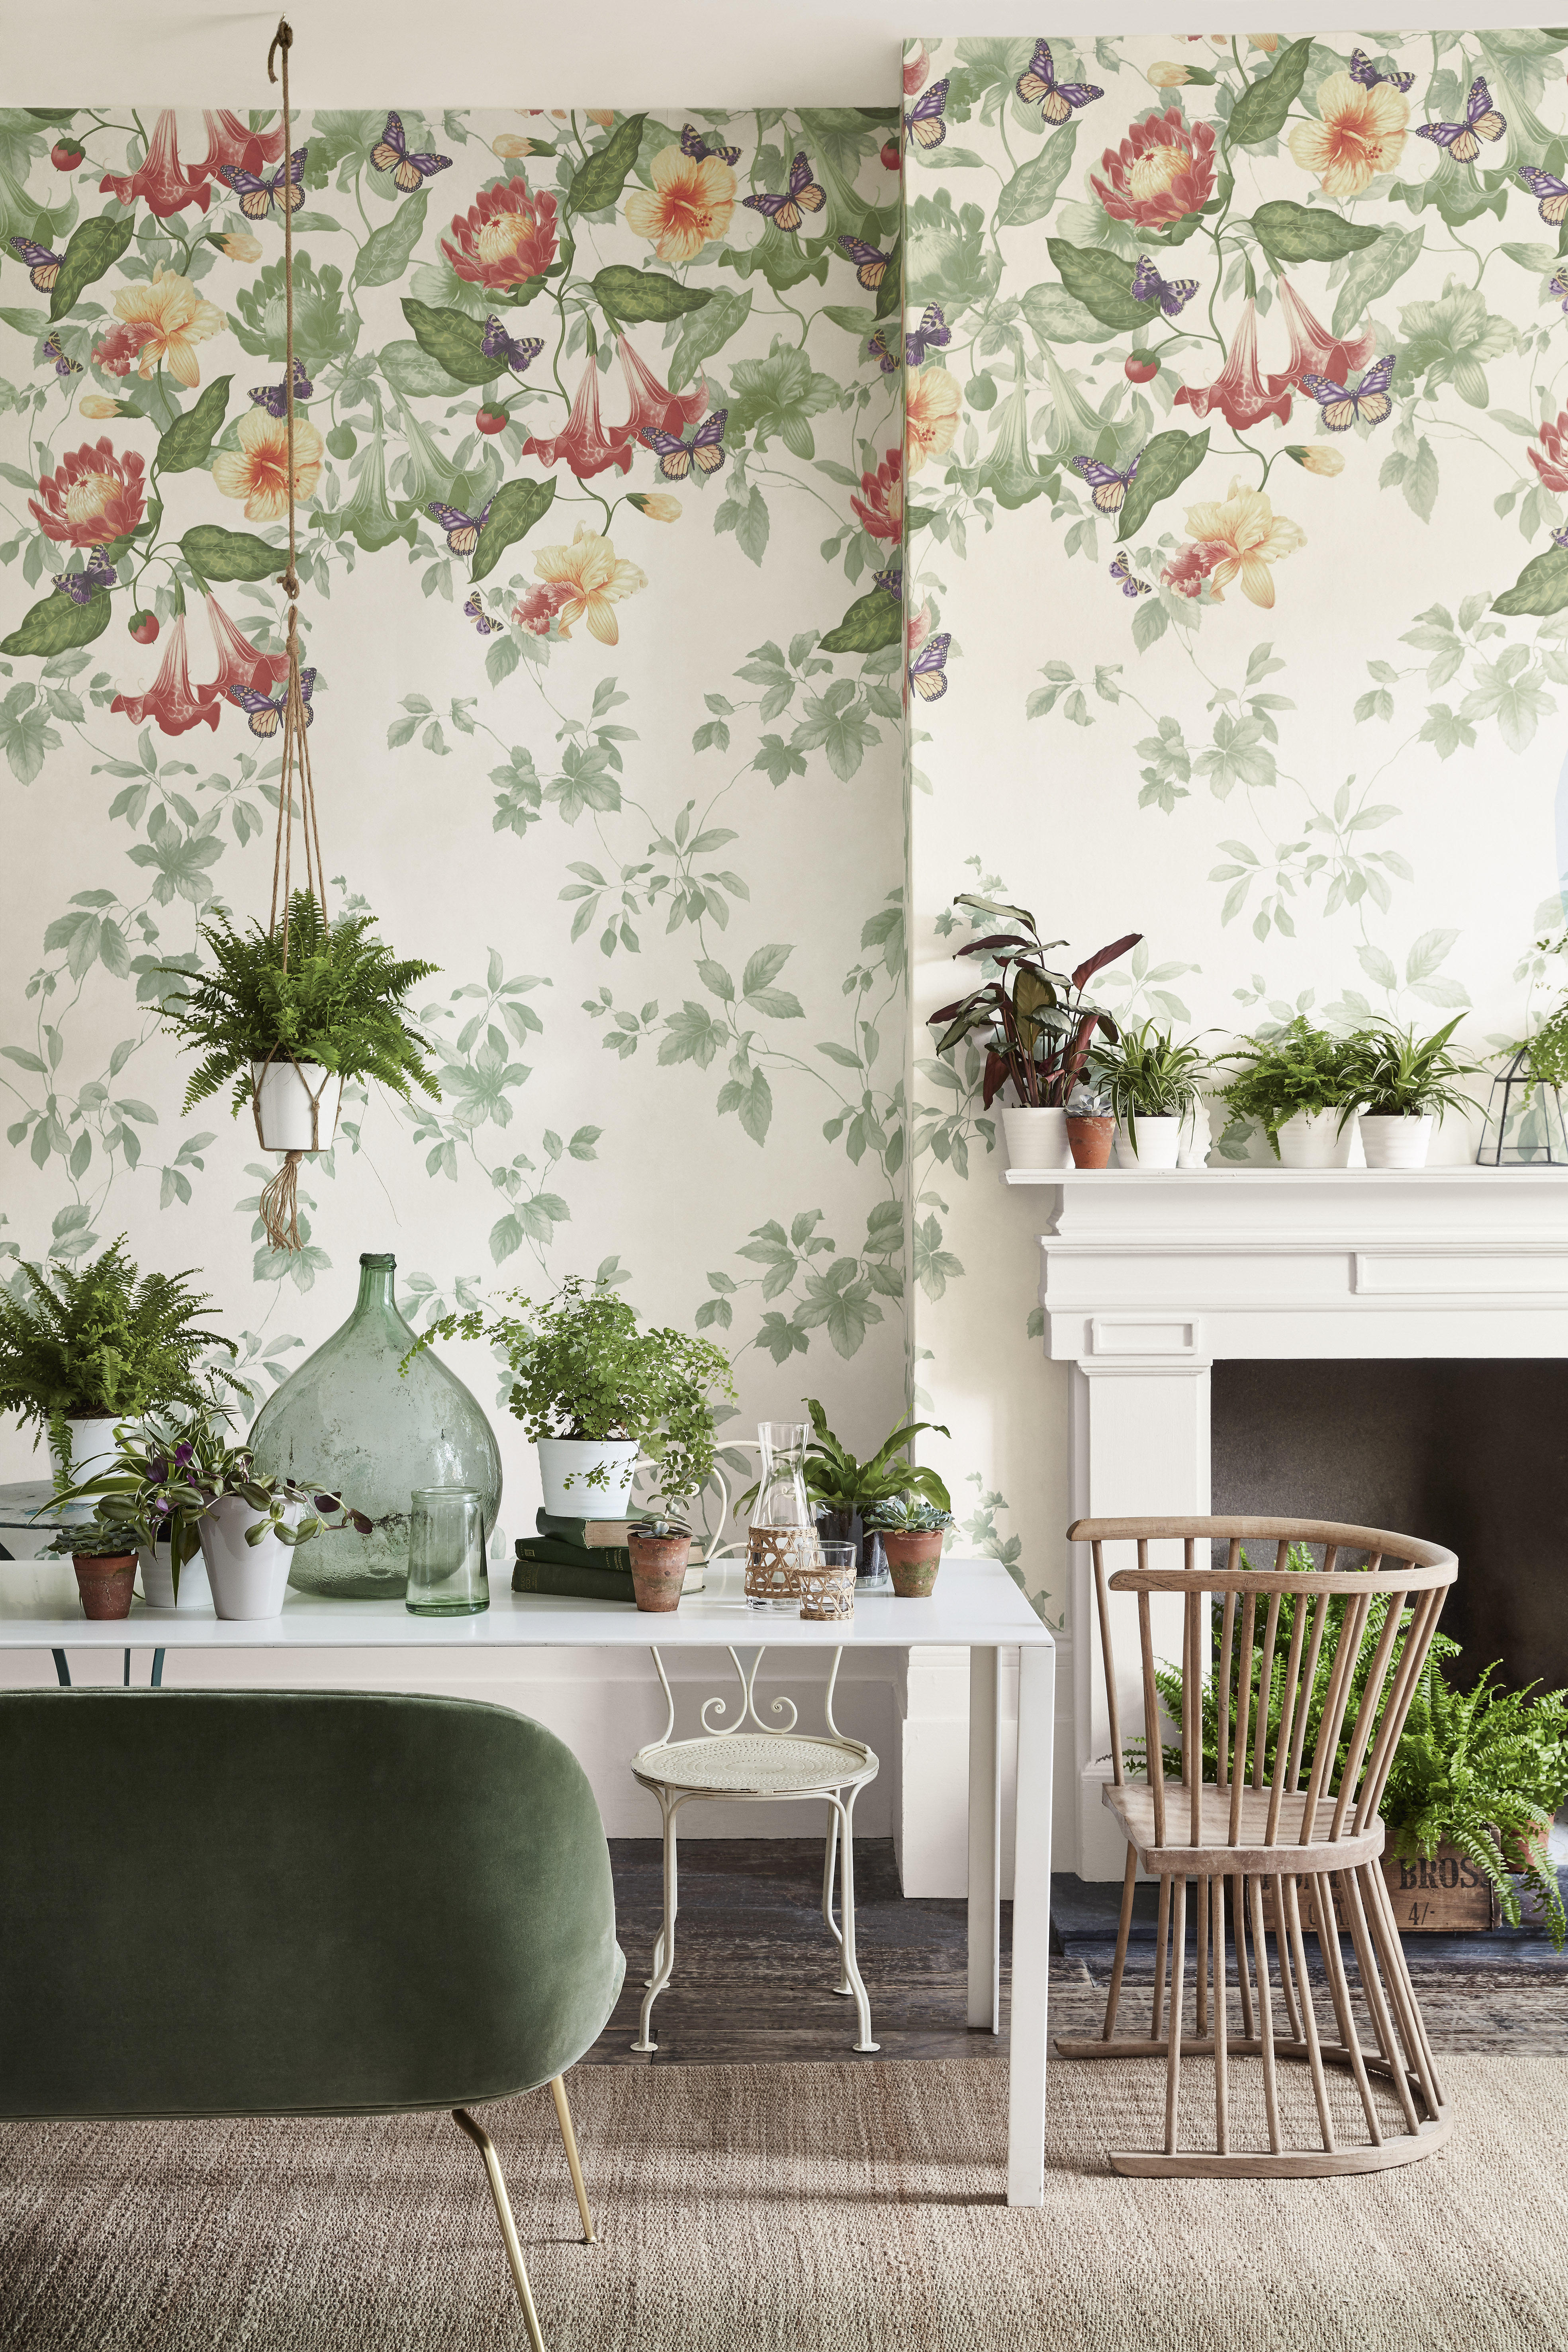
column 1404, row 1085
column 844, row 1489
column 83, row 1349
column 1299, row 1084
column 1035, row 1024
column 911, row 1535
column 103, row 1553
column 1153, row 1084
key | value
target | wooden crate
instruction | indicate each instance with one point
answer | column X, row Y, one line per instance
column 1445, row 1897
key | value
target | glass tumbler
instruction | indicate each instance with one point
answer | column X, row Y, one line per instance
column 829, row 1591
column 447, row 1576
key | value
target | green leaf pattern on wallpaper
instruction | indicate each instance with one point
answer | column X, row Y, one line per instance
column 599, row 433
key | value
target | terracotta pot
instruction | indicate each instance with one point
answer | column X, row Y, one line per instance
column 913, row 1561
column 1089, row 1137
column 105, row 1585
column 659, row 1570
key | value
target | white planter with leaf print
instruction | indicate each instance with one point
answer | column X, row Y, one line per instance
column 284, row 1100
column 1314, row 1139
column 1397, row 1139
column 565, row 1465
column 1036, row 1138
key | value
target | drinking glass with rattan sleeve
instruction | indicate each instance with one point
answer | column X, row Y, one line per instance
column 447, row 1576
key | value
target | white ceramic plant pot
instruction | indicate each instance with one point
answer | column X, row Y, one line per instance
column 1036, row 1138
column 247, row 1581
column 93, row 1446
column 1312, row 1140
column 1395, row 1138
column 158, row 1581
column 285, row 1105
column 1157, row 1145
column 563, row 1466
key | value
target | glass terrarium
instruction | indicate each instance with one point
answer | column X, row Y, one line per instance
column 1524, row 1124
column 349, row 1421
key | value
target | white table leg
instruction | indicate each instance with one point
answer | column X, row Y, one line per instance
column 1031, row 1930
column 985, row 1841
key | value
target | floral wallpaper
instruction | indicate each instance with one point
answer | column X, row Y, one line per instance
column 595, row 465
column 1236, row 579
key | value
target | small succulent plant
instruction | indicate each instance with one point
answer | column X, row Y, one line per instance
column 898, row 1517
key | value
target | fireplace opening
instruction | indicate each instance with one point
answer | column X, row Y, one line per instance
column 1466, row 1451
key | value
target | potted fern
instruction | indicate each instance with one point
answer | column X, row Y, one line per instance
column 1299, row 1084
column 845, row 1491
column 288, row 1017
column 85, row 1348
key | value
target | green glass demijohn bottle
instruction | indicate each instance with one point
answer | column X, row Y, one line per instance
column 351, row 1423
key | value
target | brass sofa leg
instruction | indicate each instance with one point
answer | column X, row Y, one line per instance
column 569, row 2140
column 482, row 2141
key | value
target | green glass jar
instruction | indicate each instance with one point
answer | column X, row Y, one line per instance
column 349, row 1420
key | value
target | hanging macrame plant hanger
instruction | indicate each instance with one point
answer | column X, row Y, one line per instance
column 280, row 1202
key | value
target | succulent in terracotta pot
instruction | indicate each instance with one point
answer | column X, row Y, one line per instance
column 105, row 1564
column 912, row 1537
column 659, row 1549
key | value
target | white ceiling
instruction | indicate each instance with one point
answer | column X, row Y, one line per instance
column 657, row 53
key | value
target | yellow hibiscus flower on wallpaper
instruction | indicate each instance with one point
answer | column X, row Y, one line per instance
column 164, row 318
column 932, row 415
column 596, row 579
column 258, row 471
column 1360, row 134
column 688, row 204
column 1242, row 536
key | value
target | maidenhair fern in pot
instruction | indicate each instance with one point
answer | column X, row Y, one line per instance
column 1036, row 1026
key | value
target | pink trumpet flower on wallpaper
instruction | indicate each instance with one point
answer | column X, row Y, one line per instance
column 231, row 141
column 1239, row 392
column 162, row 182
column 239, row 663
column 1553, row 467
column 170, row 702
column 653, row 403
column 1313, row 350
column 582, row 442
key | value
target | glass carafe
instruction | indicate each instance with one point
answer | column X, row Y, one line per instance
column 781, row 1537
column 348, row 1421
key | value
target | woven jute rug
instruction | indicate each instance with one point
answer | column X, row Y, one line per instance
column 782, row 2208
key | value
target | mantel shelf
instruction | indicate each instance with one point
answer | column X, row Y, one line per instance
column 1464, row 1173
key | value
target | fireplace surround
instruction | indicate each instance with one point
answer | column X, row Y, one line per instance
column 1151, row 1277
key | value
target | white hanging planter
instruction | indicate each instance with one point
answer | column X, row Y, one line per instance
column 157, row 1578
column 1158, row 1144
column 1036, row 1138
column 282, row 1095
column 1397, row 1139
column 1312, row 1140
column 247, row 1581
column 93, row 1446
column 563, row 1466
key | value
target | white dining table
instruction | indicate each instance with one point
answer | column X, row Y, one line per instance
column 977, row 1606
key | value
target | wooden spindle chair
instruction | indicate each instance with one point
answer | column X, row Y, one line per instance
column 1262, row 1824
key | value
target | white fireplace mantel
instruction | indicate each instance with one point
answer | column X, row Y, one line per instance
column 1152, row 1276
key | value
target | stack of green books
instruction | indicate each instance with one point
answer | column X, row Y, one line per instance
column 585, row 1560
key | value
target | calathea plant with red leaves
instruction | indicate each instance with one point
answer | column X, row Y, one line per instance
column 1039, row 1023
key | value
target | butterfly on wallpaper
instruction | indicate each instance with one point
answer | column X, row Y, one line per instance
column 693, row 143
column 804, row 196
column 1560, row 539
column 52, row 351
column 932, row 334
column 462, row 530
column 1171, row 293
column 880, row 348
column 264, row 714
column 257, row 197
column 1462, row 140
column 1366, row 73
column 928, row 671
column 1109, row 486
column 1056, row 100
column 870, row 267
column 474, row 611
column 1560, row 284
column 1552, row 194
column 704, row 450
column 96, row 573
column 923, row 122
column 391, row 153
column 274, row 397
column 518, row 351
column 892, row 580
column 1122, row 570
column 43, row 267
column 1368, row 405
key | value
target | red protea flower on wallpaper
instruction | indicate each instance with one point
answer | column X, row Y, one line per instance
column 1164, row 170
column 92, row 496
column 581, row 441
column 230, row 140
column 1239, row 392
column 239, row 663
column 1313, row 350
column 161, row 182
column 880, row 506
column 1553, row 467
column 507, row 237
column 171, row 701
column 653, row 402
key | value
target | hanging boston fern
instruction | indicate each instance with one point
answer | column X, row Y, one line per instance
column 291, row 1012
